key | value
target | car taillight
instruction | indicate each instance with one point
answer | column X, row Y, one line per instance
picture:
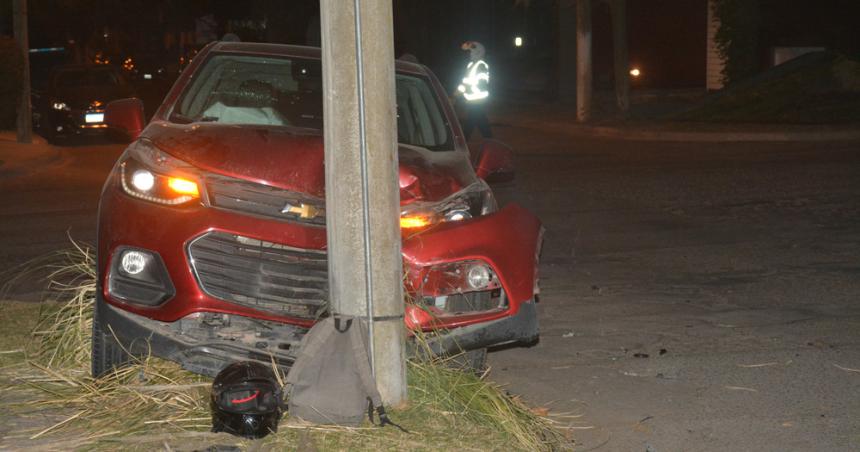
column 152, row 175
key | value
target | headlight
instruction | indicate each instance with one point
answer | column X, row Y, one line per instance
column 152, row 175
column 61, row 106
column 473, row 201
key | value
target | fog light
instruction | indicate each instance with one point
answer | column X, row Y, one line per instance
column 133, row 262
column 142, row 180
column 139, row 276
column 457, row 215
column 478, row 276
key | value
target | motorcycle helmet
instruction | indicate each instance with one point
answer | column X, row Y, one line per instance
column 246, row 400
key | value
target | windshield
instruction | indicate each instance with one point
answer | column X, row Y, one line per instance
column 87, row 77
column 275, row 91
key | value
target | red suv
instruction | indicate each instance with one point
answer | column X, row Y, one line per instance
column 212, row 240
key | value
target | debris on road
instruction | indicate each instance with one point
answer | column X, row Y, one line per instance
column 750, row 366
column 848, row 369
column 740, row 388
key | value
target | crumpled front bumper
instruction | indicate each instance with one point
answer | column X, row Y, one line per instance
column 508, row 241
column 207, row 356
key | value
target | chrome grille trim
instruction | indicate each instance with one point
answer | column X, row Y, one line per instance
column 261, row 275
column 263, row 200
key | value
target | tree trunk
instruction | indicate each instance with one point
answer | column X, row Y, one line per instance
column 618, row 8
column 583, row 60
column 24, row 120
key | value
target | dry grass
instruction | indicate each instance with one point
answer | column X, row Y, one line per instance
column 155, row 404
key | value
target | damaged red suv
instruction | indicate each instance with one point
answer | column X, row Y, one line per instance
column 212, row 240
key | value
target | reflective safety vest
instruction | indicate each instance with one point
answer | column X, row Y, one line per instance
column 474, row 86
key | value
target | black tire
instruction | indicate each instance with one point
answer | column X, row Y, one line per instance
column 46, row 129
column 474, row 361
column 107, row 354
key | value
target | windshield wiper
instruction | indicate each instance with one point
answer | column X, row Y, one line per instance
column 177, row 117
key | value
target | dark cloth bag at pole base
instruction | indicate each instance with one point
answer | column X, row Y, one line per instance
column 331, row 382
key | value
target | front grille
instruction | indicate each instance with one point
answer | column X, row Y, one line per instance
column 263, row 200
column 261, row 275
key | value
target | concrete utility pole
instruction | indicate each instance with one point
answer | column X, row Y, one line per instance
column 618, row 9
column 362, row 194
column 583, row 60
column 24, row 120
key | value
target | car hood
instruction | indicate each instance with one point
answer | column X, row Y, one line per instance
column 293, row 159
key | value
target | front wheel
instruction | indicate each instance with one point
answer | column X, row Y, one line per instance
column 107, row 353
column 474, row 361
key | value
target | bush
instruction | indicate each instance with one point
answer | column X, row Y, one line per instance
column 11, row 66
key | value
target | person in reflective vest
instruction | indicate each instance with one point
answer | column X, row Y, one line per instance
column 475, row 90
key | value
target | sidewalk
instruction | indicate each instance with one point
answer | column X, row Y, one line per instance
column 557, row 118
column 16, row 158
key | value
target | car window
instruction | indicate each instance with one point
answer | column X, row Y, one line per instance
column 105, row 76
column 87, row 77
column 419, row 119
column 75, row 77
column 275, row 91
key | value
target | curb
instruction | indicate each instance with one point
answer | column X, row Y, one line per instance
column 43, row 154
column 729, row 135
column 713, row 137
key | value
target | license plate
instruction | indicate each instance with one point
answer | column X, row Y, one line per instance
column 94, row 117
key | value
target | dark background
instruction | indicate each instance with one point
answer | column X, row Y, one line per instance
column 666, row 37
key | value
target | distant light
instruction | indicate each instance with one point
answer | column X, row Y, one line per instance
column 47, row 50
column 635, row 72
column 147, row 76
column 518, row 41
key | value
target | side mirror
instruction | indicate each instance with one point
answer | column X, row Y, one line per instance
column 494, row 162
column 125, row 118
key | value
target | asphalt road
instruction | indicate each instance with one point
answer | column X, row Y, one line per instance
column 44, row 210
column 694, row 296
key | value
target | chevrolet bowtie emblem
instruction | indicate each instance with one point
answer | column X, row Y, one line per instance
column 302, row 210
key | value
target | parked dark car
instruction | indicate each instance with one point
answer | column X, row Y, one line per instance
column 74, row 99
column 212, row 225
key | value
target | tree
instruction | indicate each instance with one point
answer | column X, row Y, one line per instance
column 737, row 37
